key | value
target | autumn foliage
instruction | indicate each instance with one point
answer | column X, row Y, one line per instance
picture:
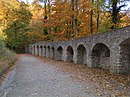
column 65, row 20
column 54, row 20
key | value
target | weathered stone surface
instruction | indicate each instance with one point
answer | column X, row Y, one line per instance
column 110, row 50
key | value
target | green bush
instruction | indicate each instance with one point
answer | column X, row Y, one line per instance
column 9, row 55
column 2, row 43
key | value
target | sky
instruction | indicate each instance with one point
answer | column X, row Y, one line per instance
column 30, row 1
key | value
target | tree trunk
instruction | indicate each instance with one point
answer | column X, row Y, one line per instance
column 91, row 19
column 72, row 22
column 98, row 15
column 49, row 14
column 45, row 9
column 76, row 17
column 114, row 13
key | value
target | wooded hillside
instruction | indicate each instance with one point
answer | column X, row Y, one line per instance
column 52, row 20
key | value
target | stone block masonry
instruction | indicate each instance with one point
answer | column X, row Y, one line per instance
column 109, row 50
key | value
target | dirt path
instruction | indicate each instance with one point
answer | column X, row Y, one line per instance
column 39, row 77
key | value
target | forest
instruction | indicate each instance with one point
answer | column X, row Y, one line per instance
column 24, row 23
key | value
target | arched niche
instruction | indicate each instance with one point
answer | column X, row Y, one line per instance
column 81, row 54
column 59, row 53
column 70, row 53
column 101, row 56
column 125, row 56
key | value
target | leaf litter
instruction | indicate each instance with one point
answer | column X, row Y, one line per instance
column 100, row 82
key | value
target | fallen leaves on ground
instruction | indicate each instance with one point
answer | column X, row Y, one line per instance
column 101, row 81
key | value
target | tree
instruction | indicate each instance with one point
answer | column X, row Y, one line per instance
column 91, row 17
column 70, row 19
column 6, row 16
column 16, row 36
column 115, row 8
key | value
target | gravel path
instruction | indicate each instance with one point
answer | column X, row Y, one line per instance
column 35, row 78
column 39, row 77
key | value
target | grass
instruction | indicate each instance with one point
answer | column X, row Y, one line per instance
column 7, row 58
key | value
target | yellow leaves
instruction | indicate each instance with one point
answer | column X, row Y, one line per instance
column 1, row 34
column 125, row 20
column 35, row 36
column 34, row 33
column 7, row 8
column 60, row 19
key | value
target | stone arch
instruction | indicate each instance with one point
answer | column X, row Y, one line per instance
column 70, row 53
column 48, row 51
column 37, row 50
column 125, row 55
column 100, row 56
column 81, row 54
column 59, row 53
column 53, row 52
column 41, row 50
column 44, row 53
column 34, row 50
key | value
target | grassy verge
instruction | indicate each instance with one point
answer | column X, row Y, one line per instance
column 7, row 58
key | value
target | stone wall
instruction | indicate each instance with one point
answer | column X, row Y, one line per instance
column 109, row 50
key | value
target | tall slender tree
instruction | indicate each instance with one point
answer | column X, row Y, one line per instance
column 91, row 17
column 76, row 18
column 115, row 8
